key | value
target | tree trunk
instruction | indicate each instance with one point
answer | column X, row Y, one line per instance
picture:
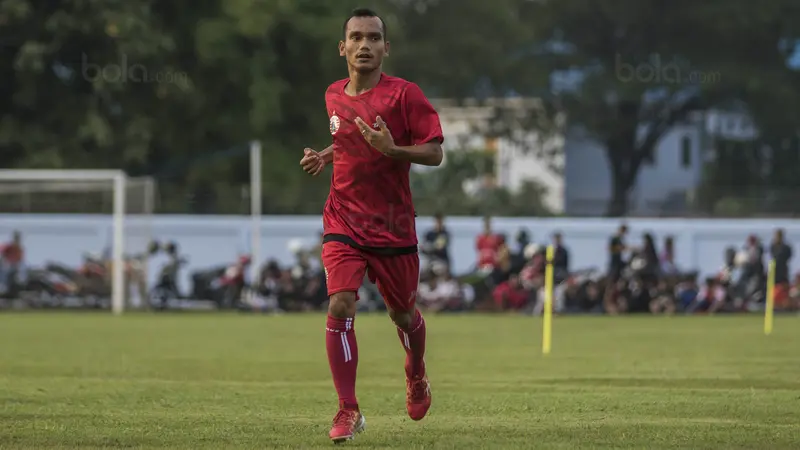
column 620, row 186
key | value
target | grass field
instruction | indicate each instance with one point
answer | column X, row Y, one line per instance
column 232, row 381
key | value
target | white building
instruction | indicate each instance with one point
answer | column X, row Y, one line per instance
column 665, row 183
column 573, row 167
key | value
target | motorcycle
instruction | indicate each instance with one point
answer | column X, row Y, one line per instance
column 222, row 285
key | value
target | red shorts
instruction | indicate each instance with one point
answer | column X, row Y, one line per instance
column 396, row 276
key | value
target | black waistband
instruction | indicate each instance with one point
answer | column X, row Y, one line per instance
column 383, row 251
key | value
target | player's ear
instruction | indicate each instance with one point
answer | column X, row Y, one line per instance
column 386, row 48
column 341, row 48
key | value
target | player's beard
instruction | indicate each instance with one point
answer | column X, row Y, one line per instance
column 366, row 69
column 361, row 70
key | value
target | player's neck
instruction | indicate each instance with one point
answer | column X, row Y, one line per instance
column 362, row 82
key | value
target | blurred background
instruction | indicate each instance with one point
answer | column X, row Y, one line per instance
column 655, row 143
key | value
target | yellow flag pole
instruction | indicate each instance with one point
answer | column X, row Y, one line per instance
column 770, row 298
column 548, row 302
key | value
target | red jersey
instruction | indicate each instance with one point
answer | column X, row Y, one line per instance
column 487, row 245
column 12, row 253
column 370, row 198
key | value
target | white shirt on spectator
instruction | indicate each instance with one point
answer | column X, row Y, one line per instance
column 444, row 290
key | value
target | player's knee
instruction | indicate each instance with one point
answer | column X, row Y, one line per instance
column 402, row 319
column 342, row 305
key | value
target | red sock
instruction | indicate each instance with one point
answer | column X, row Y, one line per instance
column 340, row 341
column 413, row 341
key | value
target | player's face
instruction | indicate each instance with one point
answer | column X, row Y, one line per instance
column 364, row 46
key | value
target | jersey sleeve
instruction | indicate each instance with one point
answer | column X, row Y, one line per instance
column 422, row 119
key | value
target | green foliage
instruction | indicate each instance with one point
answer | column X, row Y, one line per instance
column 643, row 66
column 445, row 189
column 166, row 88
column 749, row 178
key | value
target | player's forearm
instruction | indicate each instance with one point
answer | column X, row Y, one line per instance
column 429, row 154
column 327, row 154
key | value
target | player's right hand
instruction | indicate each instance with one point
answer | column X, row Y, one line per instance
column 312, row 163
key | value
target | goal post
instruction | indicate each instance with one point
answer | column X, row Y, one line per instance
column 255, row 211
column 59, row 191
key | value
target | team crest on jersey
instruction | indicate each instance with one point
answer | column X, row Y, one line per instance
column 334, row 123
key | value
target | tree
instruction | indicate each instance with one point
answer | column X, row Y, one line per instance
column 629, row 71
column 444, row 190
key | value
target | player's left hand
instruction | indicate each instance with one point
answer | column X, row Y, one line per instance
column 381, row 138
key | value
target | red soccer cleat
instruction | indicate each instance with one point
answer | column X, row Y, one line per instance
column 346, row 424
column 418, row 397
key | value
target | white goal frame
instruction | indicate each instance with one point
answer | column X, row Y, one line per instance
column 119, row 181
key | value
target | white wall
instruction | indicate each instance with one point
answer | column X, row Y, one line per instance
column 212, row 240
column 588, row 181
column 532, row 160
column 587, row 176
column 666, row 174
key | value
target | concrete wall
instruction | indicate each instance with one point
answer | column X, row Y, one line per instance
column 211, row 240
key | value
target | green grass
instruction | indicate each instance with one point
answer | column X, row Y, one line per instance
column 231, row 381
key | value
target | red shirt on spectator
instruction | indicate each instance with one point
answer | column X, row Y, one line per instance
column 12, row 253
column 509, row 296
column 487, row 246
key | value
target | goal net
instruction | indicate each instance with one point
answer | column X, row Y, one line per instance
column 89, row 229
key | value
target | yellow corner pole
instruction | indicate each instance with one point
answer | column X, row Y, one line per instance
column 770, row 298
column 548, row 302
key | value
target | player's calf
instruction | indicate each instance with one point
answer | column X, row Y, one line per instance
column 342, row 349
column 412, row 333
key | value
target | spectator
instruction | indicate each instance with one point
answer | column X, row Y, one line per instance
column 441, row 294
column 503, row 262
column 667, row 260
column 686, row 291
column 782, row 253
column 652, row 267
column 590, row 297
column 754, row 264
column 436, row 244
column 518, row 259
column 12, row 256
column 750, row 285
column 488, row 244
column 794, row 293
column 663, row 301
column 510, row 295
column 616, row 266
column 560, row 259
column 711, row 298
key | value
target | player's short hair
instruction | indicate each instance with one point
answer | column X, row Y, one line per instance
column 364, row 12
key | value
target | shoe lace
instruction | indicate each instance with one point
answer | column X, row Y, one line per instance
column 418, row 389
column 344, row 418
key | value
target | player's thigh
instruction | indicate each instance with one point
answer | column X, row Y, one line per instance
column 397, row 279
column 344, row 267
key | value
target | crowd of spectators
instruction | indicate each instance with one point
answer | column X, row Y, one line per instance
column 508, row 275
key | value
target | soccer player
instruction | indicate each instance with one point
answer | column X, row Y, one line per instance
column 380, row 126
